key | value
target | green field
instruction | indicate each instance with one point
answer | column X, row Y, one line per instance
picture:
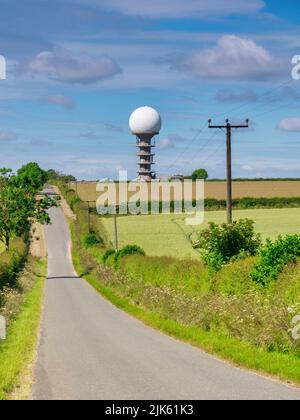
column 168, row 234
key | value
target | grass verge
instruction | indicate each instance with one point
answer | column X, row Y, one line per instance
column 17, row 351
column 285, row 367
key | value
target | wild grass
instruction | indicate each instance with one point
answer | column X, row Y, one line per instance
column 21, row 307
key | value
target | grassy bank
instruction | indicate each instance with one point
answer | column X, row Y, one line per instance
column 21, row 306
column 226, row 313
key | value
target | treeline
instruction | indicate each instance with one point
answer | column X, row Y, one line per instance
column 254, row 203
column 214, row 204
column 53, row 175
column 255, row 180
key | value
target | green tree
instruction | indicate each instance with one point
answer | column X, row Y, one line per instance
column 19, row 206
column 199, row 174
column 31, row 176
column 5, row 175
column 52, row 174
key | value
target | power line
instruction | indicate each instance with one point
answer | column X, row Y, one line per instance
column 273, row 109
column 212, row 154
column 186, row 148
column 202, row 148
column 265, row 94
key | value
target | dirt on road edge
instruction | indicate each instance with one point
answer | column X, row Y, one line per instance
column 64, row 204
column 38, row 243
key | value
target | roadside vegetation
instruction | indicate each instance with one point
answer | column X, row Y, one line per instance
column 21, row 306
column 21, row 275
column 226, row 311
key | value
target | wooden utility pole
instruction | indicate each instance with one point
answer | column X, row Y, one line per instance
column 116, row 232
column 89, row 214
column 228, row 127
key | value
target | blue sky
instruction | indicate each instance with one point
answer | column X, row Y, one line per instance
column 76, row 69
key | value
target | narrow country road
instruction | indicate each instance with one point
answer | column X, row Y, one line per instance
column 91, row 350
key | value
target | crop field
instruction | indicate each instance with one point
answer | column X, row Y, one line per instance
column 254, row 189
column 168, row 235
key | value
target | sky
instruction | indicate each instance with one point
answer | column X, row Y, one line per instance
column 76, row 69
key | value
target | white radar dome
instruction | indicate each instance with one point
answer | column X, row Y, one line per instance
column 145, row 120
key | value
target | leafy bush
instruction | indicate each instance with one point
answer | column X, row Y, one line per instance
column 274, row 256
column 221, row 243
column 126, row 251
column 129, row 250
column 108, row 254
column 12, row 263
column 90, row 240
column 74, row 200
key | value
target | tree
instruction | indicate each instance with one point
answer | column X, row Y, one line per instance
column 52, row 174
column 19, row 209
column 5, row 175
column 199, row 174
column 31, row 176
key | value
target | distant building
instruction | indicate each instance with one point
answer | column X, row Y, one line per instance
column 177, row 177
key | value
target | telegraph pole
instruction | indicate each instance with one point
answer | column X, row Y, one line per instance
column 116, row 232
column 228, row 127
column 89, row 214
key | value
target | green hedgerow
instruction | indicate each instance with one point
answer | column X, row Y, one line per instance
column 129, row 250
column 108, row 254
column 274, row 256
column 91, row 240
column 118, row 255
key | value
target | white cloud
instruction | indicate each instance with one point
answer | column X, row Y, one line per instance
column 228, row 95
column 169, row 141
column 170, row 9
column 290, row 124
column 165, row 143
column 233, row 58
column 7, row 136
column 59, row 100
column 115, row 128
column 63, row 66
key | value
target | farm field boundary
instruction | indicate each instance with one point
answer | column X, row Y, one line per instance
column 217, row 189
